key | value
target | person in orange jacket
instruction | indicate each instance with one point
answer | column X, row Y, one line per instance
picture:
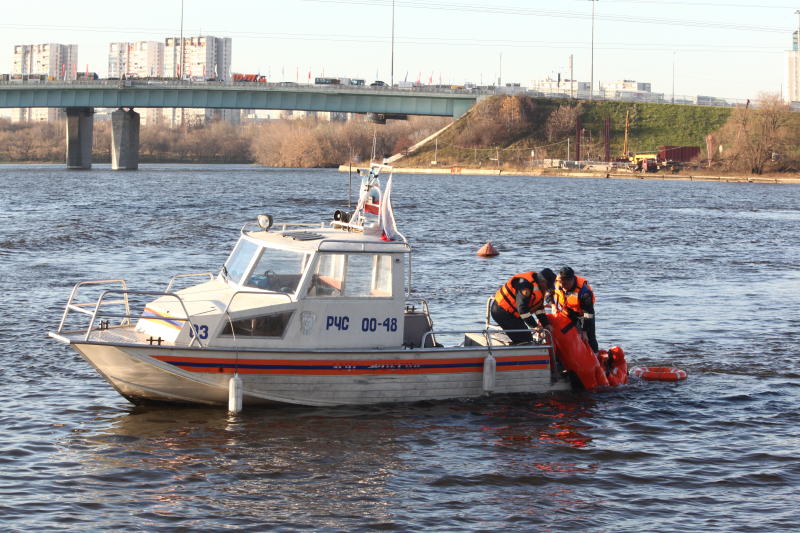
column 574, row 298
column 519, row 303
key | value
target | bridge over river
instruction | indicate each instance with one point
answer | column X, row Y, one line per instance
column 80, row 98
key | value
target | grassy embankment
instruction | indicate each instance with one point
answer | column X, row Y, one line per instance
column 515, row 129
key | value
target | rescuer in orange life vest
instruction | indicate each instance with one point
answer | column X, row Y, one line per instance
column 575, row 299
column 519, row 299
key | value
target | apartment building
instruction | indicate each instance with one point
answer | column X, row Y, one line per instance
column 203, row 57
column 142, row 59
column 199, row 58
column 56, row 61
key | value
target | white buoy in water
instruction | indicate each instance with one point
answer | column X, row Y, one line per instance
column 235, row 394
column 489, row 372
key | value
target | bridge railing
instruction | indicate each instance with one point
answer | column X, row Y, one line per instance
column 414, row 89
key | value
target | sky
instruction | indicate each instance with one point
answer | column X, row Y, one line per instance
column 730, row 49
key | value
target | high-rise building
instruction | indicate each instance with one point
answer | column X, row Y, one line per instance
column 142, row 59
column 793, row 70
column 55, row 61
column 204, row 57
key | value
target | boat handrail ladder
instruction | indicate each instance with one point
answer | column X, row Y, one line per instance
column 226, row 311
column 406, row 248
column 174, row 278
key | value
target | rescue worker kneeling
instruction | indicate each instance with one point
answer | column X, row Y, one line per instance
column 519, row 304
column 575, row 299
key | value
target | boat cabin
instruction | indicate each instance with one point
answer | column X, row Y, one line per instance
column 297, row 287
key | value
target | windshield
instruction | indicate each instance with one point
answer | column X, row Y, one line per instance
column 240, row 258
column 278, row 270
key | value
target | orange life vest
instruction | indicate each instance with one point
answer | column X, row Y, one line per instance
column 506, row 296
column 571, row 300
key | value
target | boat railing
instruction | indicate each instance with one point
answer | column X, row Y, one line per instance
column 97, row 310
column 227, row 309
column 488, row 335
column 84, row 308
column 282, row 226
column 126, row 317
column 176, row 277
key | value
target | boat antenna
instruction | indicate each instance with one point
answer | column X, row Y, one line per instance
column 350, row 179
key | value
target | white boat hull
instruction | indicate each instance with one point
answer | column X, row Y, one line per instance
column 201, row 376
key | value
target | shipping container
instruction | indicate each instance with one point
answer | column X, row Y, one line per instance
column 682, row 154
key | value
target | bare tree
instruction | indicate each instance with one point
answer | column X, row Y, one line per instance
column 561, row 122
column 752, row 135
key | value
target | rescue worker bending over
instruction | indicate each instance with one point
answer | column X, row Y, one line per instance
column 519, row 299
column 575, row 299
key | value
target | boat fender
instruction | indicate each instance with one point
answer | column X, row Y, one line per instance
column 658, row 373
column 489, row 372
column 235, row 394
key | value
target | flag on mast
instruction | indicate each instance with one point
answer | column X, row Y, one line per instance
column 388, row 223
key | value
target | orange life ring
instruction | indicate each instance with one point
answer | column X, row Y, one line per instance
column 659, row 373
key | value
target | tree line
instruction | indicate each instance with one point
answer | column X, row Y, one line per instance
column 506, row 131
column 276, row 143
column 512, row 132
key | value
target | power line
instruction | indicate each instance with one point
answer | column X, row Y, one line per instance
column 422, row 40
column 507, row 10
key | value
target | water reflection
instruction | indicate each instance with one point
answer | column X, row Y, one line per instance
column 275, row 464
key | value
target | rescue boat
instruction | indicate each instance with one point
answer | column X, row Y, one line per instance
column 314, row 315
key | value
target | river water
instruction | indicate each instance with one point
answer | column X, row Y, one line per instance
column 705, row 276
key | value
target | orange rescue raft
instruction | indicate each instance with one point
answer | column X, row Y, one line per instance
column 607, row 368
column 658, row 373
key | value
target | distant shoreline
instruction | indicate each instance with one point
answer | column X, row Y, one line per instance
column 792, row 179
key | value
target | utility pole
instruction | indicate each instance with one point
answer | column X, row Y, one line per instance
column 673, row 77
column 500, row 71
column 391, row 80
column 591, row 81
column 182, row 54
column 571, row 79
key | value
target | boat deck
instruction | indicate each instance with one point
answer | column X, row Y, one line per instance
column 115, row 335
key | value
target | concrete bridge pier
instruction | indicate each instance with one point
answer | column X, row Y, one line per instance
column 124, row 140
column 79, row 137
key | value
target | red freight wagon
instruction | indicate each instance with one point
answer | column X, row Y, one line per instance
column 682, row 154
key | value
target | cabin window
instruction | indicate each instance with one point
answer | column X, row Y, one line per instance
column 358, row 275
column 278, row 270
column 328, row 278
column 273, row 325
column 237, row 263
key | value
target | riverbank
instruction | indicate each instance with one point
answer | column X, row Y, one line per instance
column 792, row 179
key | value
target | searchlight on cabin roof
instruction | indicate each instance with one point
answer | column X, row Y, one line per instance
column 265, row 221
